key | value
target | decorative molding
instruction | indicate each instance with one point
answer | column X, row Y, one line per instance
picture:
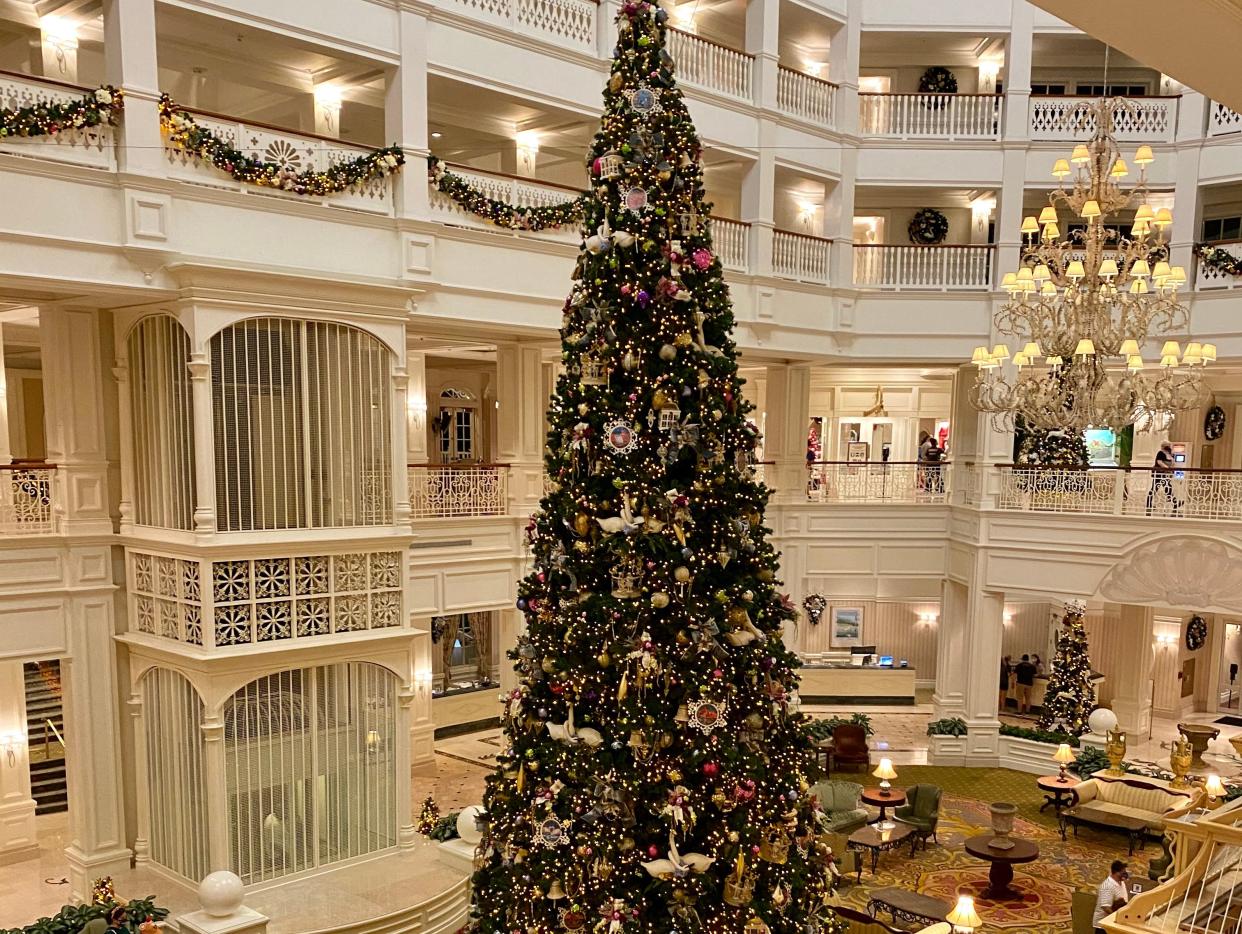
column 1181, row 571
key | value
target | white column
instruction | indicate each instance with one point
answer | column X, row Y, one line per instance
column 1187, row 209
column 74, row 411
column 762, row 41
column 788, row 418
column 17, row 807
column 949, row 696
column 215, row 783
column 400, row 422
column 759, row 199
column 422, row 727
column 405, row 110
column 1018, row 58
column 204, row 444
column 92, row 746
column 520, row 425
column 406, row 834
column 125, row 424
column 1131, row 671
column 985, row 632
column 974, row 442
column 130, row 64
column 6, row 442
column 843, row 66
column 511, row 623
column 142, row 781
column 416, row 408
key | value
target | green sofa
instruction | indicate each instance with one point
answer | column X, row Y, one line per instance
column 841, row 809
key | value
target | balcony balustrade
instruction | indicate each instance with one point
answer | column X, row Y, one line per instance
column 442, row 491
column 28, row 499
column 1070, row 119
column 923, row 268
column 1207, row 278
column 570, row 23
column 296, row 152
column 805, row 96
column 90, row 146
column 514, row 189
column 711, row 66
column 732, row 242
column 930, row 116
column 801, row 257
column 894, row 482
column 1223, row 120
column 1108, row 491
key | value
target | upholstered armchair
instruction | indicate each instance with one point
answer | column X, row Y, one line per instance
column 921, row 811
column 841, row 809
column 849, row 748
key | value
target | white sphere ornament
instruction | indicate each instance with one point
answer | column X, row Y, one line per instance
column 467, row 824
column 220, row 893
column 1101, row 721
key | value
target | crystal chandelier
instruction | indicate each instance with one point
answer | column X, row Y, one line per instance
column 1086, row 303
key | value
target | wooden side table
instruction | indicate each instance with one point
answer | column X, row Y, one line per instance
column 879, row 841
column 1057, row 793
column 1000, row 874
column 878, row 798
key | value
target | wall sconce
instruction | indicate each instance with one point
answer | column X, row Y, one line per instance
column 981, row 209
column 374, row 743
column 929, row 619
column 814, row 69
column 12, row 742
column 1007, row 617
column 61, row 37
column 1166, row 640
column 988, row 73
column 328, row 103
column 683, row 16
column 527, row 151
column 423, row 678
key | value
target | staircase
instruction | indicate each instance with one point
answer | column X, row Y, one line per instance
column 47, row 755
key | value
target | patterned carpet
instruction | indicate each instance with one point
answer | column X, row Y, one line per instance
column 946, row 871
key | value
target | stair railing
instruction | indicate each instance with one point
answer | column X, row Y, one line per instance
column 47, row 743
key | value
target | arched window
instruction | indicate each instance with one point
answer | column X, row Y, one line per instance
column 162, row 423
column 302, row 413
column 458, row 425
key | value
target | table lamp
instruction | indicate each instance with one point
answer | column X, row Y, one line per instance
column 884, row 772
column 1064, row 755
column 963, row 916
column 1215, row 789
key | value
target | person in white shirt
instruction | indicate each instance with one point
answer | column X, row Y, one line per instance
column 1112, row 894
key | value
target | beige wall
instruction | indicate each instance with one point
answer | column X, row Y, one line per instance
column 892, row 627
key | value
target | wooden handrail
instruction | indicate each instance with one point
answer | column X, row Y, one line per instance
column 922, row 94
column 927, row 246
column 272, row 126
column 28, row 465
column 515, row 178
column 803, row 74
column 804, row 236
column 458, row 465
column 719, row 45
column 61, row 84
column 728, row 220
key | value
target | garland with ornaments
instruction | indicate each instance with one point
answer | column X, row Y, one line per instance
column 501, row 213
column 185, row 133
column 96, row 108
column 928, row 227
column 1218, row 259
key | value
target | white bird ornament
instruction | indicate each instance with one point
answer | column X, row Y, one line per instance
column 570, row 735
column 677, row 866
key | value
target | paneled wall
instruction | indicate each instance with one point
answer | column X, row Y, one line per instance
column 893, row 627
column 1029, row 631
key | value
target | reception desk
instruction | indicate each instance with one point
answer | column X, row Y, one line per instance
column 861, row 684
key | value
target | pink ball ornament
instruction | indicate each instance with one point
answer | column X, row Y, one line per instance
column 702, row 258
column 653, row 851
column 711, row 769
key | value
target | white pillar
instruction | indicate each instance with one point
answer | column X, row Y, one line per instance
column 125, row 425
column 422, row 727
column 416, row 408
column 975, row 443
column 142, row 781
column 788, row 417
column 520, row 426
column 405, row 110
column 400, row 470
column 843, row 67
column 763, row 42
column 204, row 444
column 130, row 64
column 759, row 199
column 949, row 695
column 18, row 837
column 1187, row 210
column 92, row 746
column 511, row 623
column 74, row 411
column 1018, row 60
column 215, row 783
column 6, row 442
column 1131, row 671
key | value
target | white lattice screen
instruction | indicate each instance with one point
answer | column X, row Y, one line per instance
column 311, row 768
column 302, row 419
column 162, row 421
column 172, row 717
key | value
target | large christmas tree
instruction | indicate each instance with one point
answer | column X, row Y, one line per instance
column 656, row 772
column 1070, row 695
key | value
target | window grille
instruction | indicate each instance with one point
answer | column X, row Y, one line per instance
column 162, row 423
column 176, row 789
column 310, row 765
column 302, row 421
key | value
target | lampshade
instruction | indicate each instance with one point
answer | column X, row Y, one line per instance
column 1161, row 269
column 1001, row 352
column 1209, row 353
column 1041, row 272
column 1194, row 349
column 1178, row 274
column 1214, row 786
column 1191, row 359
column 1048, row 215
column 1168, row 361
column 1143, row 155
column 979, row 357
column 1163, row 218
column 1081, row 155
column 1025, row 273
column 1091, row 209
column 1020, row 359
column 963, row 914
column 1144, row 213
column 1054, row 360
column 1085, row 348
column 1108, row 268
column 885, row 770
column 1138, row 287
column 1138, row 228
column 1048, row 288
column 1140, row 268
column 1029, row 225
column 1032, row 350
column 1134, row 363
column 1064, row 754
column 1119, row 169
column 1060, row 168
column 1130, row 348
column 1051, row 231
column 1172, row 348
column 1075, row 270
column 1008, row 280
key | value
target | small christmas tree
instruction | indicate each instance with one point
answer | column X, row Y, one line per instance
column 428, row 817
column 1070, row 696
column 1045, row 448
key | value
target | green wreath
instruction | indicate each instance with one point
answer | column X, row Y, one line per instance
column 1214, row 423
column 928, row 227
column 938, row 80
column 1196, row 633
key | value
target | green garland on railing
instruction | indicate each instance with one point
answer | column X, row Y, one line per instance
column 1219, row 259
column 501, row 213
column 97, row 107
column 185, row 133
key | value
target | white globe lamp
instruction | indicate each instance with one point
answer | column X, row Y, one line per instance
column 1101, row 721
column 467, row 824
column 220, row 893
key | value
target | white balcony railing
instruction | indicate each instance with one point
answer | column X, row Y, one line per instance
column 1181, row 494
column 1208, row 278
column 1223, row 120
column 566, row 22
column 897, row 482
column 439, row 491
column 1150, row 119
column 801, row 256
column 732, row 242
column 513, row 189
column 27, row 499
column 806, row 96
column 296, row 152
column 923, row 268
column 711, row 66
column 92, row 146
column 930, row 116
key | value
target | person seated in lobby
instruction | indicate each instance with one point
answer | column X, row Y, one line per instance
column 1112, row 894
column 1025, row 673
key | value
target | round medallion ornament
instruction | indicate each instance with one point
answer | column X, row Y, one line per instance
column 551, row 833
column 1196, row 633
column 573, row 918
column 644, row 100
column 1214, row 423
column 636, row 200
column 706, row 715
column 620, row 436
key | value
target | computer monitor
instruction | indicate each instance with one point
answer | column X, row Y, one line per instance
column 862, row 650
column 886, row 661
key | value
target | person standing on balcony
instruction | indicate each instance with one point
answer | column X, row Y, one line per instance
column 1162, row 478
column 1025, row 672
column 935, row 477
column 924, row 439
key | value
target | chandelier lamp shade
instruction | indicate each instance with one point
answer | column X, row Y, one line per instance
column 1083, row 306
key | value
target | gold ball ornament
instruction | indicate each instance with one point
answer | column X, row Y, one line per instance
column 681, row 574
column 582, row 523
column 659, row 399
column 659, row 600
column 668, row 352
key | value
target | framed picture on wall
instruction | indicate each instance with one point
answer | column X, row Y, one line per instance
column 846, row 627
column 857, row 452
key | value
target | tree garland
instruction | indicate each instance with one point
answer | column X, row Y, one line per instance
column 501, row 213
column 928, row 227
column 1218, row 259
column 185, row 133
column 96, row 108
